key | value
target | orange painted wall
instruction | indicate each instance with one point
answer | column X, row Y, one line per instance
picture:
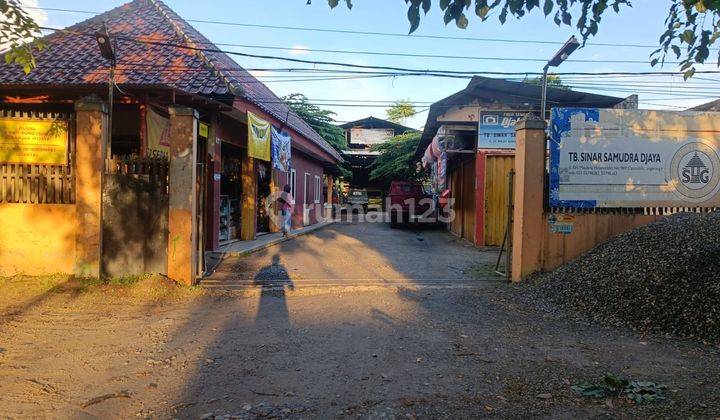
column 589, row 231
column 37, row 239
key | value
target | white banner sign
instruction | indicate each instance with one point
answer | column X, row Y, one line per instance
column 634, row 158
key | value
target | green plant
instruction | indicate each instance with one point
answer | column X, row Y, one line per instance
column 19, row 35
column 612, row 386
column 323, row 122
column 400, row 111
column 397, row 158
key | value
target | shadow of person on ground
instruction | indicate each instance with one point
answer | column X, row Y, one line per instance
column 273, row 279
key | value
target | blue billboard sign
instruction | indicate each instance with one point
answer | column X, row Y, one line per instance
column 497, row 129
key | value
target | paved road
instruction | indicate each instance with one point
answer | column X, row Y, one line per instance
column 360, row 253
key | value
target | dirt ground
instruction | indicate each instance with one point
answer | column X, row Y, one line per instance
column 355, row 320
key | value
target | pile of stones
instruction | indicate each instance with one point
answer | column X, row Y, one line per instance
column 662, row 278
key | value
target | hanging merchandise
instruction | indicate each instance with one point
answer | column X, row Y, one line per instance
column 258, row 137
column 158, row 133
column 281, row 149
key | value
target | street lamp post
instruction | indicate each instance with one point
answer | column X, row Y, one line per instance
column 568, row 48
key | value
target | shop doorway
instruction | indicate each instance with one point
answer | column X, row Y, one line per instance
column 230, row 192
column 264, row 174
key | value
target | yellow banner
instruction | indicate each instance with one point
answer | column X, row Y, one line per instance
column 34, row 141
column 258, row 137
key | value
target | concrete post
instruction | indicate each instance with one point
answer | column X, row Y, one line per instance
column 214, row 150
column 91, row 134
column 248, row 213
column 182, row 238
column 529, row 187
column 329, row 197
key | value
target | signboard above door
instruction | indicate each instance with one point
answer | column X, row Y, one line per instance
column 34, row 141
column 496, row 129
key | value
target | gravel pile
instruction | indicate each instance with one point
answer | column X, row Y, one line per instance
column 660, row 278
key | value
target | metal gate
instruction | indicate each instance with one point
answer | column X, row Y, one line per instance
column 497, row 168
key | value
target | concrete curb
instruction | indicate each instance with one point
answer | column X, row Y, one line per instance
column 273, row 242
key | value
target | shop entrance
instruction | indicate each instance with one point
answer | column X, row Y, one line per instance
column 230, row 192
column 264, row 174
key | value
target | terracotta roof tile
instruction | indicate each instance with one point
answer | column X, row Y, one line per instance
column 73, row 59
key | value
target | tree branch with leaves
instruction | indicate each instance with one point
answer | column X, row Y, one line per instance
column 19, row 35
column 400, row 111
column 322, row 121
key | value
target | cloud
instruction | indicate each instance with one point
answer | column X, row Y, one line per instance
column 299, row 50
column 39, row 16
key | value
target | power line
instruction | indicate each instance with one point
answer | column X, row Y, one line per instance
column 361, row 66
column 370, row 33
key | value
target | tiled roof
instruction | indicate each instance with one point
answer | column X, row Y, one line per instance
column 73, row 59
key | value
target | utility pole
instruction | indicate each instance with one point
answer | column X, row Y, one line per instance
column 568, row 48
column 107, row 51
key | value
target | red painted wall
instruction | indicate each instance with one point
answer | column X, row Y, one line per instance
column 302, row 165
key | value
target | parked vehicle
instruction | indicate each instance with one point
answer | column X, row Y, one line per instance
column 375, row 200
column 358, row 197
column 409, row 203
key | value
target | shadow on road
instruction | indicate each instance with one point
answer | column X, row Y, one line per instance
column 272, row 280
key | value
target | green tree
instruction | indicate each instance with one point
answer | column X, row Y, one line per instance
column 553, row 80
column 322, row 121
column 692, row 26
column 397, row 158
column 19, row 35
column 400, row 111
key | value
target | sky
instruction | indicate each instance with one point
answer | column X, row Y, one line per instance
column 640, row 25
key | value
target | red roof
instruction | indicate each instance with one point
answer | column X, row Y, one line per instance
column 73, row 58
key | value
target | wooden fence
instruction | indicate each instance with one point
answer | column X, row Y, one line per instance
column 36, row 184
column 154, row 167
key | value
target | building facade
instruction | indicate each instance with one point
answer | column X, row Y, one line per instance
column 361, row 136
column 469, row 145
column 149, row 177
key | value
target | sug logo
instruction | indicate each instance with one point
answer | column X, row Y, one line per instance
column 695, row 172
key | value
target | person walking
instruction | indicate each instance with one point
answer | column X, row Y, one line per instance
column 286, row 200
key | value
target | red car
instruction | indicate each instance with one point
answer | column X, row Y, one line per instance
column 408, row 202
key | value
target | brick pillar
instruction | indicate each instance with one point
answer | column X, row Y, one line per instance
column 182, row 238
column 91, row 134
column 213, row 194
column 529, row 182
column 248, row 214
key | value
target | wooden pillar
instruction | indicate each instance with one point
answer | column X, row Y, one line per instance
column 182, row 238
column 91, row 135
column 329, row 197
column 248, row 213
column 529, row 187
column 276, row 185
column 214, row 160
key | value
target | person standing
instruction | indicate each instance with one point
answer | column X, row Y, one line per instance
column 286, row 200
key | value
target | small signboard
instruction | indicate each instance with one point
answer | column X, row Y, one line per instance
column 497, row 129
column 34, row 141
column 203, row 130
column 561, row 223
